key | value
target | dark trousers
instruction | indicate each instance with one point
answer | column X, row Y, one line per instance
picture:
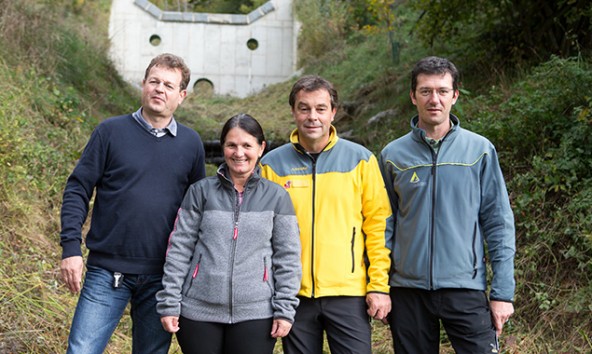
column 465, row 315
column 343, row 318
column 249, row 337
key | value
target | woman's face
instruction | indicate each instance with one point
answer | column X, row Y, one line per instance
column 241, row 152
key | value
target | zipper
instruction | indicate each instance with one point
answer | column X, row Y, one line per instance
column 235, row 216
column 312, row 248
column 433, row 219
column 196, row 270
column 312, row 238
column 265, row 274
column 474, row 251
column 233, row 254
column 433, row 216
column 353, row 239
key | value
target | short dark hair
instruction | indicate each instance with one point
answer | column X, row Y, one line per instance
column 311, row 83
column 246, row 123
column 432, row 66
column 171, row 61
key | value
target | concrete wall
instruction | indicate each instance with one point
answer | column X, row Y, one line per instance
column 214, row 46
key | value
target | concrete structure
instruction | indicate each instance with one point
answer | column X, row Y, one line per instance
column 236, row 54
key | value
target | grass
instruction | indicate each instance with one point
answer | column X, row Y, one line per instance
column 270, row 107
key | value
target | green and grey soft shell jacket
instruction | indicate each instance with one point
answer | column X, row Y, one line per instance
column 447, row 206
column 229, row 262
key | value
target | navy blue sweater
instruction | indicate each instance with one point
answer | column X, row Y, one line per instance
column 140, row 181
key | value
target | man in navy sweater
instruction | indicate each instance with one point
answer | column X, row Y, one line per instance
column 140, row 166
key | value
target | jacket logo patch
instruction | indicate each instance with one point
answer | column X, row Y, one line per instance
column 296, row 183
column 414, row 178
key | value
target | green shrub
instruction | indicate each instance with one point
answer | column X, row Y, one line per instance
column 324, row 25
column 535, row 113
column 542, row 126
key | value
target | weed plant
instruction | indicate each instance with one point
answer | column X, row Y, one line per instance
column 56, row 84
column 542, row 126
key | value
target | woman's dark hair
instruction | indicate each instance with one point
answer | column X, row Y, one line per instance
column 434, row 66
column 246, row 123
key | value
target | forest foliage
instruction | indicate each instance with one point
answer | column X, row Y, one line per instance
column 527, row 86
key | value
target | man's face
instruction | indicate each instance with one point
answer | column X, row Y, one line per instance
column 434, row 98
column 313, row 115
column 161, row 94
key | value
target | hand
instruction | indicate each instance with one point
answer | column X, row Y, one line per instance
column 170, row 323
column 379, row 306
column 71, row 270
column 500, row 314
column 280, row 328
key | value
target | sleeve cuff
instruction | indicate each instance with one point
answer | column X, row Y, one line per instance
column 71, row 248
column 501, row 300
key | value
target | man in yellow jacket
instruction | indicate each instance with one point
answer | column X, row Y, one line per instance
column 343, row 213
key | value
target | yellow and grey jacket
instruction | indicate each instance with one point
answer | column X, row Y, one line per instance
column 343, row 211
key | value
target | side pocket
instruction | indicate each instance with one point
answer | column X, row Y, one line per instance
column 474, row 251
column 265, row 273
column 266, row 279
column 353, row 255
column 195, row 271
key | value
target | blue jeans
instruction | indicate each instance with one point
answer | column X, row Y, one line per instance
column 101, row 306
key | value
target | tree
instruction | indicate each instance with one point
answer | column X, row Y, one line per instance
column 383, row 12
column 507, row 34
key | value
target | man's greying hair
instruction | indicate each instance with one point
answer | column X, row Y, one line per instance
column 171, row 61
column 434, row 66
column 311, row 83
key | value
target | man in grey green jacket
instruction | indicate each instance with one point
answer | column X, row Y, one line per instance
column 449, row 200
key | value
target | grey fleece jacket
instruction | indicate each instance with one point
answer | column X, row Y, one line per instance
column 448, row 205
column 229, row 263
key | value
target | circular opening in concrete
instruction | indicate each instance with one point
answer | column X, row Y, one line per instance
column 252, row 44
column 203, row 88
column 155, row 40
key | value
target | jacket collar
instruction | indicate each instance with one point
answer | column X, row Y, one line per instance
column 224, row 176
column 294, row 139
column 419, row 134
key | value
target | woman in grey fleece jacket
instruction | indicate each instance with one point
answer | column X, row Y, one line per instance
column 233, row 268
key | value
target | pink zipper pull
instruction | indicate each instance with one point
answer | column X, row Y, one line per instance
column 235, row 232
column 196, row 270
column 265, row 276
